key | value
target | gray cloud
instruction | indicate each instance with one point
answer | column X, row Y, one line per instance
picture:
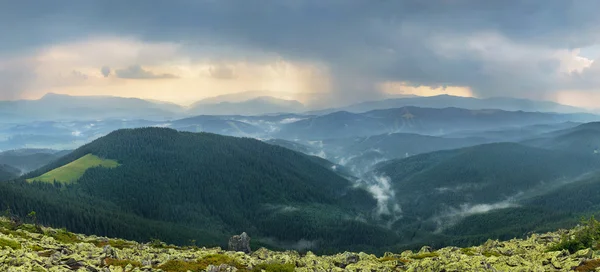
column 15, row 79
column 221, row 72
column 362, row 41
column 79, row 75
column 105, row 70
column 137, row 72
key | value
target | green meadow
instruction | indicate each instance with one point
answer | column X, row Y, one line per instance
column 73, row 171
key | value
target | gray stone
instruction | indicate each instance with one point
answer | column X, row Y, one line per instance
column 352, row 258
column 240, row 243
column 425, row 249
column 109, row 252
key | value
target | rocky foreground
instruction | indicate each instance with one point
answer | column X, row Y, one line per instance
column 30, row 248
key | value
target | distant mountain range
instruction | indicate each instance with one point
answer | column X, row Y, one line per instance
column 444, row 101
column 493, row 125
column 255, row 106
column 431, row 121
column 56, row 107
column 64, row 107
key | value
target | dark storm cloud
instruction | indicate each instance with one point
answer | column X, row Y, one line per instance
column 377, row 40
column 137, row 72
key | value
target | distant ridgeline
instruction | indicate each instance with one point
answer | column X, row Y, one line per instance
column 179, row 186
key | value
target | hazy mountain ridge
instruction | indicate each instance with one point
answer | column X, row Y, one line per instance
column 417, row 120
column 255, row 106
column 583, row 139
column 65, row 107
column 444, row 101
column 58, row 106
column 29, row 159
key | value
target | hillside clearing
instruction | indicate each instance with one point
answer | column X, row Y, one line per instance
column 71, row 172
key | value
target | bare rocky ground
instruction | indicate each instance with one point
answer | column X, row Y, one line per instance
column 24, row 248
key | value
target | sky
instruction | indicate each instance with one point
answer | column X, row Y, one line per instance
column 320, row 52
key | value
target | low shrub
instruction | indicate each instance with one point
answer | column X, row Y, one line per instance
column 9, row 243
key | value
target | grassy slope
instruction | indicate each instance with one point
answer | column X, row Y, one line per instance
column 73, row 171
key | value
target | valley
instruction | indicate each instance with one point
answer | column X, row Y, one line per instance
column 383, row 180
column 299, row 135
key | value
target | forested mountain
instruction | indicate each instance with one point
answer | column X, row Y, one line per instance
column 513, row 134
column 359, row 154
column 448, row 192
column 416, row 120
column 483, row 174
column 203, row 183
column 583, row 139
column 8, row 172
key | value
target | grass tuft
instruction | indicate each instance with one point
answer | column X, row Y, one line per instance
column 121, row 263
column 64, row 237
column 274, row 267
column 491, row 253
column 467, row 251
column 181, row 266
column 117, row 243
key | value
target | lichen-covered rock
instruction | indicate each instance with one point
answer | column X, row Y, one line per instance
column 40, row 252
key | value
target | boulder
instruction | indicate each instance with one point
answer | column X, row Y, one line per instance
column 220, row 268
column 240, row 243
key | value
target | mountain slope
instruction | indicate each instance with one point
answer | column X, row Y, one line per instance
column 438, row 191
column 8, row 172
column 481, row 174
column 29, row 159
column 583, row 139
column 223, row 185
column 359, row 154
